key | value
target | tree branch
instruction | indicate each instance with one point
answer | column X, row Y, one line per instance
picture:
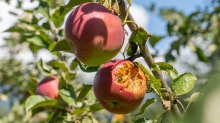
column 147, row 56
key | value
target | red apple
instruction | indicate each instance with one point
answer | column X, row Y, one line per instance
column 94, row 34
column 48, row 87
column 120, row 86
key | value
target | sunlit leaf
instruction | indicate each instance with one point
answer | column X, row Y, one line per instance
column 37, row 40
column 36, row 101
column 43, row 10
column 57, row 18
column 78, row 111
column 165, row 68
column 140, row 36
column 183, row 84
column 62, row 46
column 44, row 69
column 56, row 3
column 71, row 4
column 58, row 64
column 22, row 27
column 193, row 97
column 156, row 82
column 68, row 95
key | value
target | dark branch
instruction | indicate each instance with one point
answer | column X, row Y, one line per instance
column 147, row 56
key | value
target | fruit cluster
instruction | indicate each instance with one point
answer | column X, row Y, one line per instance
column 95, row 36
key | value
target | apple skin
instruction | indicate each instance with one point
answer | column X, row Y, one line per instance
column 48, row 87
column 113, row 96
column 94, row 34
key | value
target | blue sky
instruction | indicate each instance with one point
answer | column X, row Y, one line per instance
column 156, row 24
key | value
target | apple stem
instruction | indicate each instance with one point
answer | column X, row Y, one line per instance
column 147, row 56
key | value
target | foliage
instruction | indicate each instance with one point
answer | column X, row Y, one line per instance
column 76, row 102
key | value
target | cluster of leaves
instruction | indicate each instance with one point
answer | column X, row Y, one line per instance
column 77, row 101
column 202, row 23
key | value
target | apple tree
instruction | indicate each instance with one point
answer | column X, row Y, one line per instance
column 53, row 88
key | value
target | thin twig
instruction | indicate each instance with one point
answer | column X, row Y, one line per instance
column 181, row 105
column 164, row 116
column 147, row 56
column 53, row 31
column 132, row 58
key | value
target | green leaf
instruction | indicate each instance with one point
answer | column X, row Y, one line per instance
column 70, row 75
column 146, row 104
column 165, row 68
column 58, row 64
column 156, row 82
column 62, row 46
column 201, row 55
column 183, row 84
column 26, row 17
column 86, row 68
column 176, row 45
column 95, row 107
column 169, row 57
column 86, row 88
column 144, row 120
column 55, row 3
column 57, row 18
column 37, row 40
column 133, row 47
column 154, row 39
column 44, row 69
column 46, row 25
column 22, row 27
column 43, row 10
column 78, row 111
column 169, row 29
column 140, row 36
column 32, row 84
column 74, row 64
column 36, row 101
column 69, row 95
column 71, row 4
column 193, row 97
column 37, row 110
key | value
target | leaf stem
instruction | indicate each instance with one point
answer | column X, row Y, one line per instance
column 108, row 4
column 131, row 22
column 164, row 116
column 117, row 6
column 126, row 17
column 181, row 105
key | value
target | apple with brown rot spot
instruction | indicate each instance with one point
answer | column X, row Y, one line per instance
column 120, row 86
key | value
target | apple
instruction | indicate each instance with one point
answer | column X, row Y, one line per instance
column 48, row 87
column 94, row 34
column 119, row 86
